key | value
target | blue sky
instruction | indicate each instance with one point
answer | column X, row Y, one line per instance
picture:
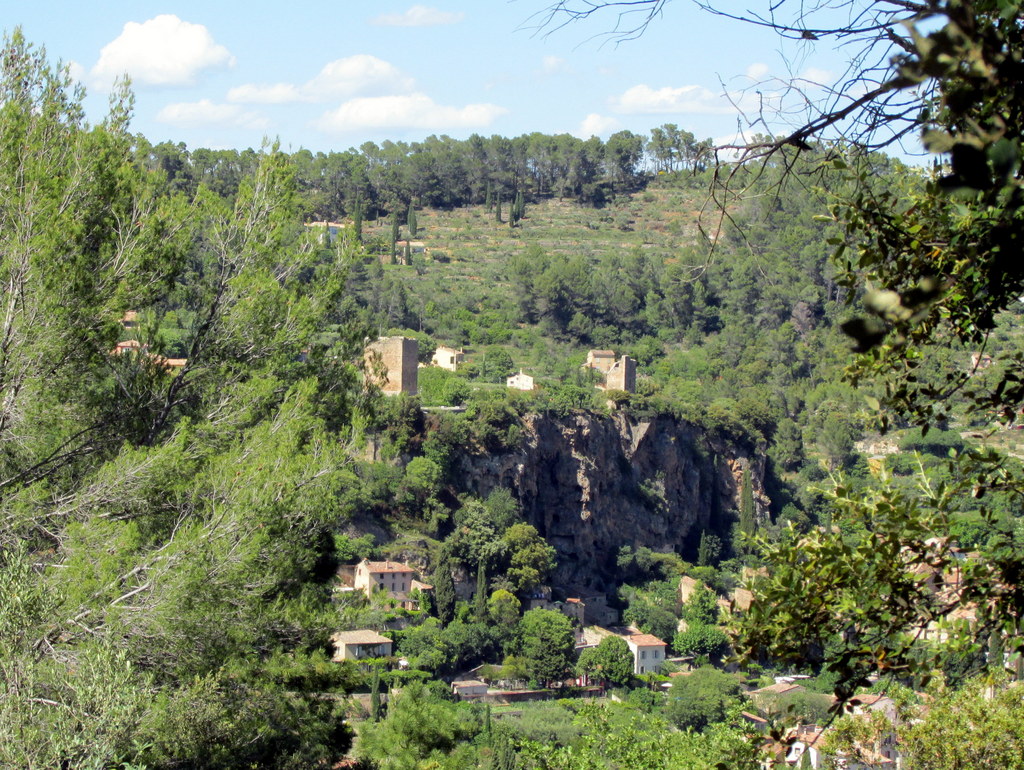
column 332, row 76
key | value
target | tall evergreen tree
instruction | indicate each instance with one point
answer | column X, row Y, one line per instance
column 444, row 592
column 410, row 221
column 748, row 522
column 394, row 235
column 357, row 220
column 497, row 209
column 375, row 695
column 480, row 598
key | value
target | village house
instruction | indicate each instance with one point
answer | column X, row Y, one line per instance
column 448, row 358
column 648, row 653
column 520, row 381
column 468, row 689
column 392, row 577
column 602, row 360
column 328, row 230
column 358, row 645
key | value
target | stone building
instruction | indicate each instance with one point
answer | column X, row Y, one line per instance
column 398, row 356
column 621, row 375
column 602, row 360
column 448, row 358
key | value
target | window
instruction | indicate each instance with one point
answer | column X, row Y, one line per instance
column 643, row 654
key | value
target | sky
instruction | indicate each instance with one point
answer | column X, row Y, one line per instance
column 330, row 76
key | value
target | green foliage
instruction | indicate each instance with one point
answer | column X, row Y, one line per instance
column 417, row 727
column 610, row 661
column 531, row 559
column 701, row 698
column 700, row 640
column 547, row 643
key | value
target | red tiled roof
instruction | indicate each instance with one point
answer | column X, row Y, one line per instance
column 645, row 640
column 364, row 636
column 388, row 566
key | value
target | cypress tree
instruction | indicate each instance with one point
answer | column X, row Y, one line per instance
column 357, row 220
column 480, row 599
column 488, row 198
column 410, row 220
column 748, row 524
column 394, row 235
column 375, row 695
column 444, row 592
column 497, row 209
column 519, row 207
column 408, row 253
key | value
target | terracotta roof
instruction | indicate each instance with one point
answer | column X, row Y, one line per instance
column 388, row 566
column 645, row 640
column 870, row 699
column 574, row 600
column 469, row 683
column 603, row 353
column 364, row 636
column 420, row 585
column 777, row 689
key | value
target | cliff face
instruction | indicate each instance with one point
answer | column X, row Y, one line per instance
column 592, row 483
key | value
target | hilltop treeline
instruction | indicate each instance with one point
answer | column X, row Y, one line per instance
column 442, row 172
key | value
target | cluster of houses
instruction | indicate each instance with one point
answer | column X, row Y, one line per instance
column 594, row 620
column 804, row 745
column 399, row 366
column 132, row 346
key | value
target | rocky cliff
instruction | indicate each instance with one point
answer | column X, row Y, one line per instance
column 592, row 483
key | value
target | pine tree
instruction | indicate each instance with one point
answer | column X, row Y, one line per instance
column 410, row 221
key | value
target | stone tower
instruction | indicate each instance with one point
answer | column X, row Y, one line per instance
column 622, row 375
column 398, row 355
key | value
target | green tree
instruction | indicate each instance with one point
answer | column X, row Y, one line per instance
column 610, row 660
column 444, row 592
column 703, row 698
column 531, row 559
column 980, row 730
column 547, row 644
column 411, row 222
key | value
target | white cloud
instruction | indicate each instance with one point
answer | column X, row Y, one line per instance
column 164, row 51
column 553, row 65
column 644, row 100
column 207, row 113
column 418, row 16
column 359, row 74
column 341, row 78
column 597, row 125
column 816, row 76
column 76, row 71
column 406, row 111
column 757, row 71
column 278, row 93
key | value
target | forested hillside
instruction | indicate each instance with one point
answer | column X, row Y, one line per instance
column 192, row 443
